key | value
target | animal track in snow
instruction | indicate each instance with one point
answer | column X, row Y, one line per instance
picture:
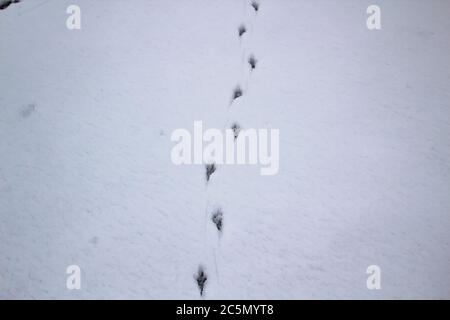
column 255, row 5
column 201, row 279
column 236, row 129
column 210, row 169
column 241, row 30
column 237, row 93
column 217, row 219
column 252, row 62
column 6, row 3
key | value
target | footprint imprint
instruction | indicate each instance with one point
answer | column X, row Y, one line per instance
column 237, row 93
column 236, row 129
column 210, row 169
column 255, row 5
column 6, row 3
column 201, row 279
column 252, row 62
column 241, row 30
column 217, row 219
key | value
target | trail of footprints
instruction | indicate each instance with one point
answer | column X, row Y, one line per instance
column 217, row 216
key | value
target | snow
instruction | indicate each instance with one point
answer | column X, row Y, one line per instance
column 86, row 176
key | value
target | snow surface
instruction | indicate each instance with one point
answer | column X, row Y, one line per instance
column 86, row 176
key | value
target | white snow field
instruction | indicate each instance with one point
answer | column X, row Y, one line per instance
column 86, row 176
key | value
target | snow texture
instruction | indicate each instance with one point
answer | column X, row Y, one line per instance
column 86, row 176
